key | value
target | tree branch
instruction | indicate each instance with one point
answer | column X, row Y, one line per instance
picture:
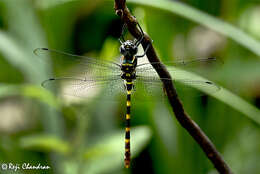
column 186, row 122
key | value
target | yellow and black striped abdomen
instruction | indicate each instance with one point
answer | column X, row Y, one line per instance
column 129, row 86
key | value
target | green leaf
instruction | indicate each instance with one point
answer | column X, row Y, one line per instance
column 223, row 94
column 110, row 49
column 43, row 143
column 24, row 25
column 30, row 91
column 40, row 94
column 18, row 43
column 108, row 154
column 45, row 4
column 204, row 19
column 15, row 55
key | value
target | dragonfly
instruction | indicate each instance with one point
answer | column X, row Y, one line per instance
column 124, row 76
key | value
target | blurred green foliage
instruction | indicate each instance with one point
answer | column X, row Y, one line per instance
column 74, row 135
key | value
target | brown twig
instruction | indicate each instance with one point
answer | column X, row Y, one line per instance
column 186, row 122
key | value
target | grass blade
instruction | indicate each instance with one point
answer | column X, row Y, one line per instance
column 204, row 19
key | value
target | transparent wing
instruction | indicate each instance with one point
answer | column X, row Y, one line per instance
column 151, row 86
column 149, row 79
column 81, row 87
column 78, row 64
column 185, row 64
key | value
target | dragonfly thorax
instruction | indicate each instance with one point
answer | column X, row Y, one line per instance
column 129, row 62
column 128, row 49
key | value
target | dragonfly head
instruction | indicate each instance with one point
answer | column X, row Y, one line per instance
column 128, row 49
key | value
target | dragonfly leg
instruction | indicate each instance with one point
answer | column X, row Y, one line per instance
column 146, row 49
column 138, row 42
column 121, row 38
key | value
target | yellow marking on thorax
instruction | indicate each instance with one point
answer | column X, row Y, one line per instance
column 127, row 140
column 129, row 83
column 127, row 64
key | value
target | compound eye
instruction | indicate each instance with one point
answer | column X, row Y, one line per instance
column 122, row 49
column 134, row 50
